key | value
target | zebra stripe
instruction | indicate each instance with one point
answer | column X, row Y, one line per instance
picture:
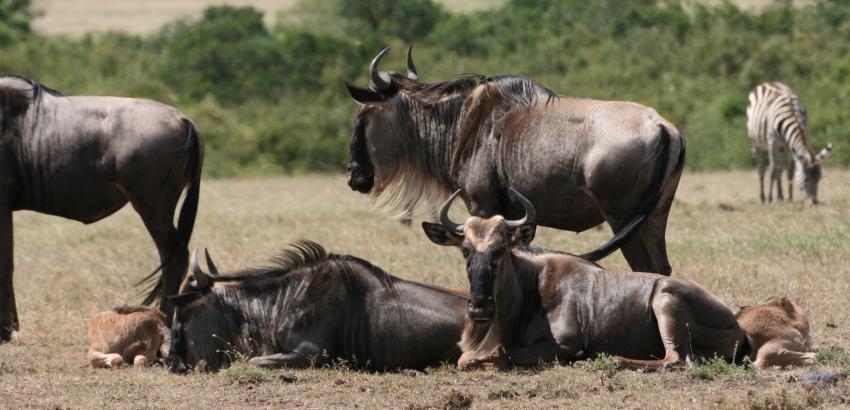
column 776, row 121
column 776, row 116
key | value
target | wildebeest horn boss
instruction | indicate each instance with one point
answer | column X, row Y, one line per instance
column 528, row 305
column 581, row 161
column 313, row 308
column 84, row 158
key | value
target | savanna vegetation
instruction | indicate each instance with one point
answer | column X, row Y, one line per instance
column 270, row 98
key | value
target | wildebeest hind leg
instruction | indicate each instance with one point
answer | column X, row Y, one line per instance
column 673, row 319
column 8, row 310
column 173, row 252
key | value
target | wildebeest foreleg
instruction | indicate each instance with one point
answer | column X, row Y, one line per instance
column 783, row 353
column 675, row 335
column 8, row 310
column 100, row 360
column 274, row 361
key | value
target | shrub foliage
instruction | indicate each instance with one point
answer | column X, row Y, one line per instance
column 271, row 99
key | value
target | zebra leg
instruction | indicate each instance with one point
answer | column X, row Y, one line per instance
column 775, row 171
column 758, row 155
column 791, row 170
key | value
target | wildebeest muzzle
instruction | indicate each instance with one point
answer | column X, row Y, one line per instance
column 481, row 309
column 359, row 178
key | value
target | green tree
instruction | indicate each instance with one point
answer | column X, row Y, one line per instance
column 229, row 54
column 15, row 16
column 405, row 19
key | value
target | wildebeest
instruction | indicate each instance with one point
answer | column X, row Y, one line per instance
column 127, row 334
column 581, row 161
column 84, row 158
column 311, row 309
column 779, row 333
column 530, row 305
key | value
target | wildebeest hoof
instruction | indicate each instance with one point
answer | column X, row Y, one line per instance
column 5, row 334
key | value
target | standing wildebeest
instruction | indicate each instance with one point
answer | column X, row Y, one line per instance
column 84, row 158
column 310, row 309
column 529, row 305
column 582, row 161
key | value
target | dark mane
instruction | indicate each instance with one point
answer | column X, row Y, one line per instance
column 307, row 255
column 38, row 89
column 15, row 101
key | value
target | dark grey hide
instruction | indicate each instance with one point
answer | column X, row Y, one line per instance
column 84, row 158
column 311, row 309
column 582, row 161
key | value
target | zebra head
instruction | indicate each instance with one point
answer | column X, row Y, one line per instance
column 807, row 176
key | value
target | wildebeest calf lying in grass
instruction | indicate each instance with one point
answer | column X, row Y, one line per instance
column 310, row 309
column 127, row 334
column 529, row 305
column 779, row 332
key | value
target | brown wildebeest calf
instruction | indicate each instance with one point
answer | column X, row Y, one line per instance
column 529, row 305
column 779, row 333
column 127, row 334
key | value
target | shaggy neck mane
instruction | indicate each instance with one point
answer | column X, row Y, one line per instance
column 517, row 300
column 441, row 126
column 17, row 95
column 239, row 311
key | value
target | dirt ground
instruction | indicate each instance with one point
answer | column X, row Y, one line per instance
column 718, row 235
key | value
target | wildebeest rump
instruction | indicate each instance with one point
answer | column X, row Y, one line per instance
column 581, row 161
column 310, row 309
column 84, row 158
column 529, row 306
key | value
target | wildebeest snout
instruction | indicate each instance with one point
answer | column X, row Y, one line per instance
column 481, row 309
column 359, row 179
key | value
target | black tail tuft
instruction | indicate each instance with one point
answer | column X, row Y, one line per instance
column 647, row 206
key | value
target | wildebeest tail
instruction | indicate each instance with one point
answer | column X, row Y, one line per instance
column 649, row 204
column 189, row 210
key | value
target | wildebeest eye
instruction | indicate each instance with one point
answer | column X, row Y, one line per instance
column 465, row 251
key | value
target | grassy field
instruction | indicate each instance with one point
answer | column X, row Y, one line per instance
column 719, row 236
column 77, row 17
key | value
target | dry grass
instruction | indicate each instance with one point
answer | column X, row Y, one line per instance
column 742, row 251
column 82, row 16
column 76, row 17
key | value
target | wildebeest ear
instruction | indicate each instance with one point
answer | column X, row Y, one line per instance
column 440, row 235
column 364, row 96
column 525, row 233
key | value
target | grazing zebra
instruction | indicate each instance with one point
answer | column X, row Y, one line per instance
column 776, row 122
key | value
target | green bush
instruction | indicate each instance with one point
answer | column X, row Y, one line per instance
column 272, row 100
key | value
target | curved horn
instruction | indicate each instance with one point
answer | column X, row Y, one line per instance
column 201, row 278
column 444, row 215
column 411, row 68
column 210, row 264
column 529, row 210
column 380, row 81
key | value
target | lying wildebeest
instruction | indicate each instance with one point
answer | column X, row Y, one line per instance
column 127, row 334
column 582, row 161
column 311, row 309
column 529, row 305
column 84, row 158
column 779, row 333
